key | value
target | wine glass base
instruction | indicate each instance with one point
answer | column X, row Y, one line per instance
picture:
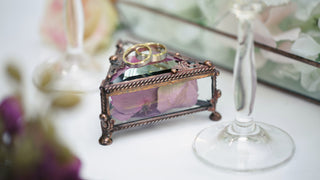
column 77, row 73
column 264, row 148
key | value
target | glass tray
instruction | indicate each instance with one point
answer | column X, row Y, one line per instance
column 276, row 67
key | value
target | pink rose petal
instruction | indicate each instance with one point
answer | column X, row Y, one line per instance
column 277, row 14
column 177, row 96
column 290, row 35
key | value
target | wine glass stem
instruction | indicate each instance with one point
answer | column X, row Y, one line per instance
column 74, row 26
column 244, row 78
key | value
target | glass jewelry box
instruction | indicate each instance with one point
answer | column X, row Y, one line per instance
column 137, row 93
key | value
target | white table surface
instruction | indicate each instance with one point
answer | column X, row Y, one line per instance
column 162, row 151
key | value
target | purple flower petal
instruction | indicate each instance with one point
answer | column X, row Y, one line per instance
column 177, row 96
column 148, row 111
column 121, row 116
column 128, row 104
column 11, row 114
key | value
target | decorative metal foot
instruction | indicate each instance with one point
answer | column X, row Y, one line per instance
column 107, row 129
column 105, row 140
column 215, row 116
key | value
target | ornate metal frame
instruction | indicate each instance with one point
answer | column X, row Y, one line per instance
column 184, row 72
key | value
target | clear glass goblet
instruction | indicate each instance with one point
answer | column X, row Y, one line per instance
column 244, row 144
column 75, row 71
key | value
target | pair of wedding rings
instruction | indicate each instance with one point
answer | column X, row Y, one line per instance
column 155, row 52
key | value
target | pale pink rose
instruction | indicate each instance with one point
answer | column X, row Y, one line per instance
column 100, row 22
column 267, row 31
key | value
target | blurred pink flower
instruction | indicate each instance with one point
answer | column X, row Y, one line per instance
column 100, row 22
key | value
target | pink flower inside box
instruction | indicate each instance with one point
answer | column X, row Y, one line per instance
column 173, row 86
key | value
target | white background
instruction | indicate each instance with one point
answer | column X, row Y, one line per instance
column 162, row 151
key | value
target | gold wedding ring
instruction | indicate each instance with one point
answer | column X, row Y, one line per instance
column 144, row 59
column 159, row 48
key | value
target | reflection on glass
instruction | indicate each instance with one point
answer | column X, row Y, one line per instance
column 127, row 73
column 75, row 71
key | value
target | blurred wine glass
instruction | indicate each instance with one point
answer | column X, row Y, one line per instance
column 75, row 71
column 244, row 144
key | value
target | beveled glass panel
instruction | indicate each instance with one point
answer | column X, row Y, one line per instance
column 160, row 100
